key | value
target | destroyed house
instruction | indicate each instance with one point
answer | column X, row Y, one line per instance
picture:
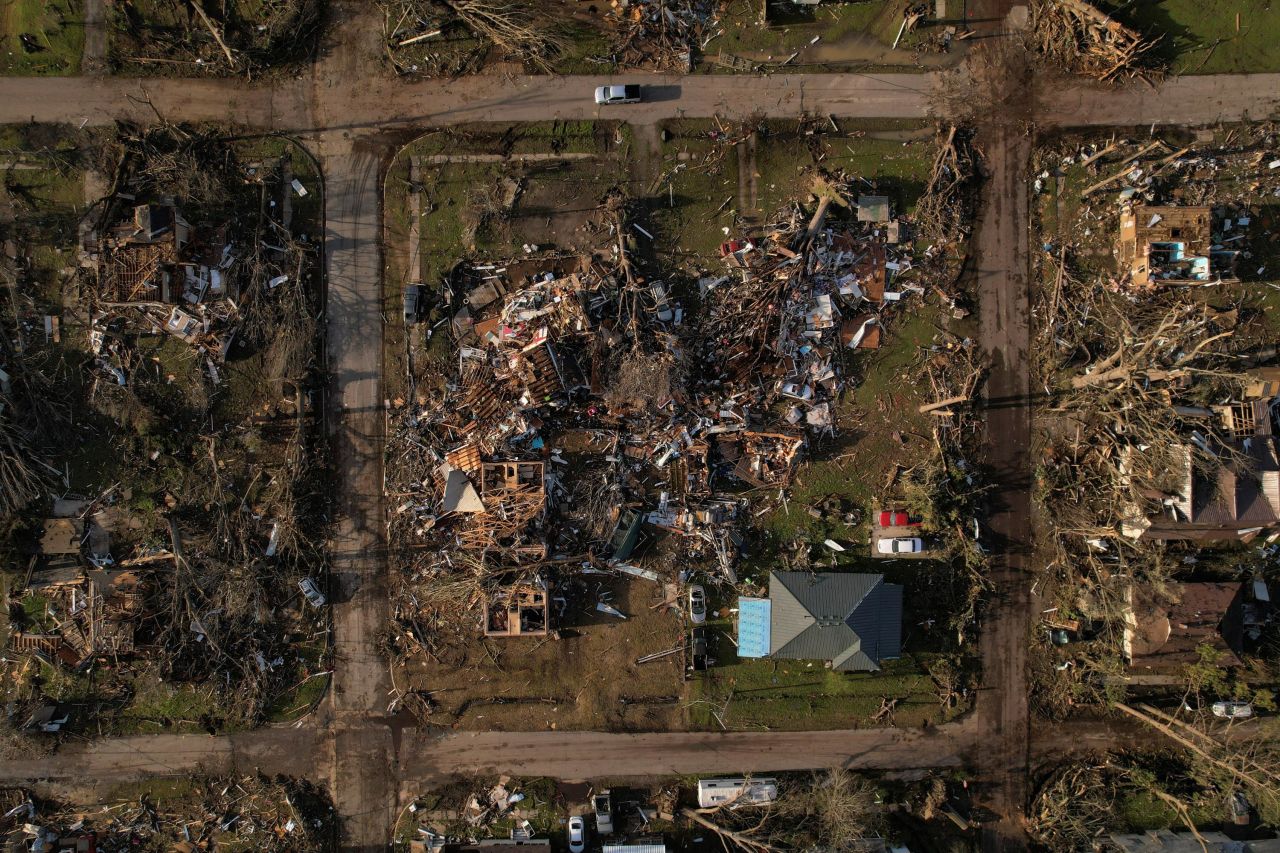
column 94, row 615
column 520, row 610
column 762, row 459
column 500, row 503
column 851, row 620
column 1171, row 245
column 1238, row 497
column 1228, row 489
column 157, row 257
column 1163, row 632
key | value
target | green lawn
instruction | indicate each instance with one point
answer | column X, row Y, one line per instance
column 847, row 32
column 1201, row 36
column 56, row 29
column 797, row 694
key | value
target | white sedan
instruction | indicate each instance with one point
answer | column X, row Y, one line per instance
column 577, row 834
column 697, row 605
column 900, row 545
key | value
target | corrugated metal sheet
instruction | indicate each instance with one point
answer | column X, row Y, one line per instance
column 753, row 627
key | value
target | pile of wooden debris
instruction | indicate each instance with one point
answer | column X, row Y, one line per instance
column 1084, row 40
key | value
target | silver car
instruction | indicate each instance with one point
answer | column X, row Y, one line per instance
column 1232, row 710
column 577, row 834
column 618, row 95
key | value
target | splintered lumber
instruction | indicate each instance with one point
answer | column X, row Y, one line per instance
column 1099, row 154
column 659, row 655
column 418, row 38
column 1088, row 41
column 1105, row 182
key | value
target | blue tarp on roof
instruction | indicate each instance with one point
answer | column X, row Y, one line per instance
column 753, row 627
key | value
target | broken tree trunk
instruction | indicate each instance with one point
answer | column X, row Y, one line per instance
column 745, row 842
column 942, row 404
column 217, row 36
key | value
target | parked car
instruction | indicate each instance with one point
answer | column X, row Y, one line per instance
column 412, row 303
column 697, row 605
column 577, row 834
column 698, row 650
column 602, row 804
column 1232, row 710
column 900, row 545
column 311, row 591
column 618, row 95
column 897, row 518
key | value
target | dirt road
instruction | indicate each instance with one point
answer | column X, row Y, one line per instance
column 130, row 758
column 586, row 755
column 359, row 751
column 1001, row 265
column 378, row 104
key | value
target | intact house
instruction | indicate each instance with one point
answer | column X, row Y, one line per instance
column 1164, row 630
column 1162, row 245
column 851, row 621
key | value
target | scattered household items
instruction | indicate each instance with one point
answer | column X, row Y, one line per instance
column 208, row 813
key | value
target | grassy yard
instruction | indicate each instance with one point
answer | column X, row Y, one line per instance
column 55, row 37
column 1209, row 36
column 848, row 33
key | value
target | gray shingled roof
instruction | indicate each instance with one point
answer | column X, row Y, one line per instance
column 852, row 620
